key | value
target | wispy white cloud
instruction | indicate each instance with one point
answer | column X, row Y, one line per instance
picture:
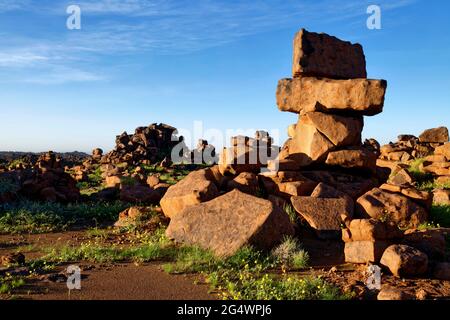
column 62, row 75
column 11, row 5
column 20, row 59
column 117, row 27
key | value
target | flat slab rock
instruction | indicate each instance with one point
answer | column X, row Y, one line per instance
column 324, row 214
column 229, row 222
column 309, row 94
column 322, row 55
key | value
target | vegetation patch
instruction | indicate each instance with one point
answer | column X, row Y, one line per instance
column 440, row 214
column 249, row 274
column 41, row 217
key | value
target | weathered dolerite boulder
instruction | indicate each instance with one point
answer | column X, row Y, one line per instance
column 229, row 222
column 198, row 186
column 436, row 135
column 326, row 56
column 326, row 210
column 366, row 239
column 309, row 94
column 404, row 261
column 393, row 207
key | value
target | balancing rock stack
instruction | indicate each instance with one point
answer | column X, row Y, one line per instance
column 331, row 93
column 324, row 166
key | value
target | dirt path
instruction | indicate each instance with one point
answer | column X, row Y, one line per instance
column 125, row 282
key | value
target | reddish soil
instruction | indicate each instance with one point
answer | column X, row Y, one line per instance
column 127, row 281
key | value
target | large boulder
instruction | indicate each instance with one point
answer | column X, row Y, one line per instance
column 379, row 204
column 432, row 242
column 309, row 144
column 404, row 261
column 197, row 187
column 229, row 222
column 322, row 55
column 436, row 135
column 341, row 131
column 309, row 94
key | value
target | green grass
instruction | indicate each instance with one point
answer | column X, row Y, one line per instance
column 293, row 215
column 248, row 274
column 270, row 287
column 425, row 181
column 440, row 214
column 7, row 185
column 9, row 284
column 40, row 217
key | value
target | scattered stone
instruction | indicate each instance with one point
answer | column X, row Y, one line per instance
column 421, row 295
column 403, row 261
column 13, row 258
column 393, row 294
column 153, row 181
column 229, row 222
column 139, row 215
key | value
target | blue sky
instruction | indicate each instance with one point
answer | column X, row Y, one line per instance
column 136, row 62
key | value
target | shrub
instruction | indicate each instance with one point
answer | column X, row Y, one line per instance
column 290, row 254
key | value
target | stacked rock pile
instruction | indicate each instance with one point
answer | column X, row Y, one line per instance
column 324, row 172
column 409, row 147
